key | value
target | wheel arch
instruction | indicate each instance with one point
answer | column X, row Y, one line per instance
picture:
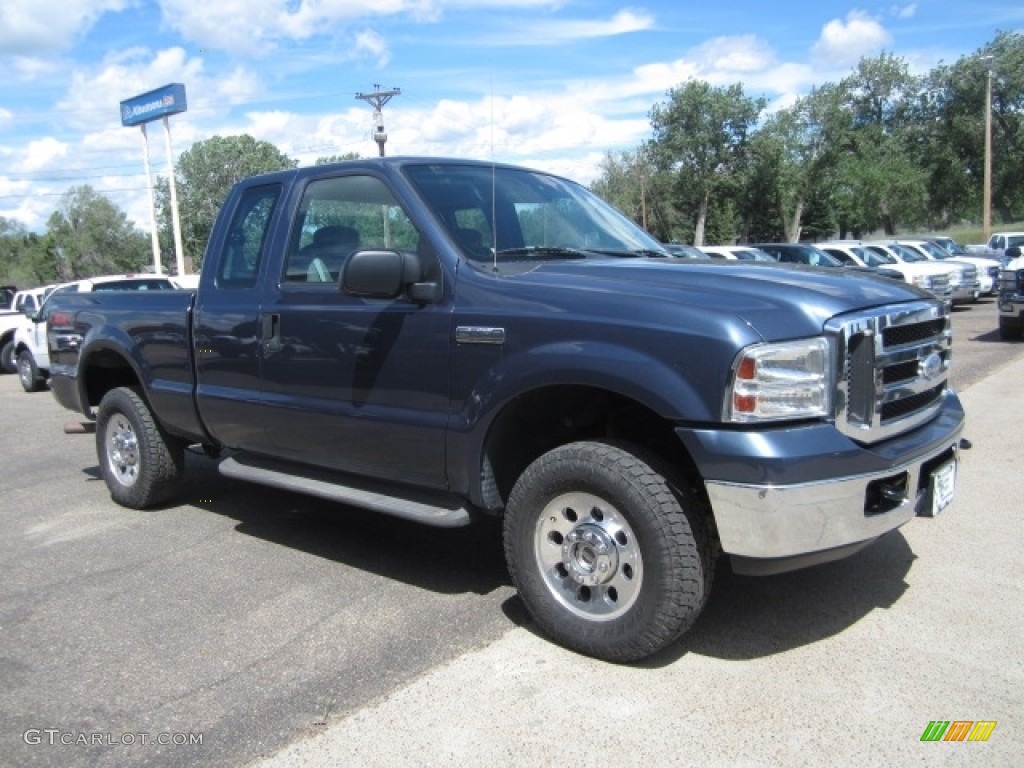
column 103, row 367
column 547, row 417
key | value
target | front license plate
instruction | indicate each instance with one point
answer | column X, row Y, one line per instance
column 943, row 487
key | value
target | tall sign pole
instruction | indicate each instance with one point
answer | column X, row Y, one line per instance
column 179, row 252
column 157, row 267
column 142, row 109
column 377, row 100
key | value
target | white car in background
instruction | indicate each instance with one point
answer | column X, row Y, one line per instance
column 735, row 252
column 963, row 278
column 30, row 349
column 988, row 269
column 925, row 275
column 25, row 301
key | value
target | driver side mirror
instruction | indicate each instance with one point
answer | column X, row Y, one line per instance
column 379, row 274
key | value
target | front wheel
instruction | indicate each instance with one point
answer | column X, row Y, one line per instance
column 141, row 464
column 610, row 559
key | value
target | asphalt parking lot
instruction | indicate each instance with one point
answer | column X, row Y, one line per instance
column 245, row 626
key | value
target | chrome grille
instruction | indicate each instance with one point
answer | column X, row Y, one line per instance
column 893, row 368
column 939, row 283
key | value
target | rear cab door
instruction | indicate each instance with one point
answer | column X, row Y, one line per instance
column 226, row 337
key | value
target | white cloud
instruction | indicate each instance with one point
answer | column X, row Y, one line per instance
column 549, row 31
column 33, row 67
column 93, row 97
column 31, row 27
column 21, row 201
column 40, row 153
column 845, row 43
column 254, row 27
column 740, row 55
column 904, row 11
column 369, row 44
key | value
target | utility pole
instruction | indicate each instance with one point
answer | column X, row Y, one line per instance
column 986, row 215
column 378, row 99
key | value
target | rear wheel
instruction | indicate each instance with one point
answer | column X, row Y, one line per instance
column 28, row 373
column 141, row 464
column 610, row 559
column 8, row 360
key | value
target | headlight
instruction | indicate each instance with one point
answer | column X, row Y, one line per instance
column 921, row 281
column 789, row 380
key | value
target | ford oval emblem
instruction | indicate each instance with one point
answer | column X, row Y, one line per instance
column 931, row 367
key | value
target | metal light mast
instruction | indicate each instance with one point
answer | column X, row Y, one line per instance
column 377, row 100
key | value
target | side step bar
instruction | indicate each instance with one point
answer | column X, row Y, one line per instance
column 437, row 509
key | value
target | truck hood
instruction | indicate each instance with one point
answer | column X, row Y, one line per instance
column 777, row 301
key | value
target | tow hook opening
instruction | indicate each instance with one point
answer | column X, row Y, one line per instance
column 886, row 494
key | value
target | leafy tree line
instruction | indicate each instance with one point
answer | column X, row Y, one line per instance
column 882, row 150
column 87, row 235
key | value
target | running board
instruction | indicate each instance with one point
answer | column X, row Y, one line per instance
column 437, row 509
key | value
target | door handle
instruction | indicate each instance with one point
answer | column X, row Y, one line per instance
column 272, row 332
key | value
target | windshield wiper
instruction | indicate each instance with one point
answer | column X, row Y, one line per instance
column 544, row 250
column 631, row 254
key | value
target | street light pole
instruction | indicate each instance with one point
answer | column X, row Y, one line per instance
column 986, row 215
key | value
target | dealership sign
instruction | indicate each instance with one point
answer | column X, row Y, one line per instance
column 168, row 100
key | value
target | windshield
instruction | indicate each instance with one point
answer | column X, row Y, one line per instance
column 908, row 254
column 752, row 254
column 502, row 215
column 873, row 258
column 936, row 251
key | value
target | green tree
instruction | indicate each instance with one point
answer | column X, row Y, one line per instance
column 794, row 153
column 701, row 137
column 91, row 236
column 205, row 174
column 950, row 132
column 12, row 234
column 630, row 182
column 882, row 184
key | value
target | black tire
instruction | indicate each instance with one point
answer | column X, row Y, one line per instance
column 141, row 464
column 28, row 373
column 610, row 559
column 1009, row 331
column 8, row 361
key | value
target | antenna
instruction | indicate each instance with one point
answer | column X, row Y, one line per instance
column 494, row 204
column 378, row 99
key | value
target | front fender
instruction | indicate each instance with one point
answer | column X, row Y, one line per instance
column 687, row 390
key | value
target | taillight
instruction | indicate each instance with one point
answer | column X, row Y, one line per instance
column 61, row 319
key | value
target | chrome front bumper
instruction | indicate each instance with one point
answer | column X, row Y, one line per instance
column 801, row 524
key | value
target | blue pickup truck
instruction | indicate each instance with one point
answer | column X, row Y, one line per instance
column 445, row 339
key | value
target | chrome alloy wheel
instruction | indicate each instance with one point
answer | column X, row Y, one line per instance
column 122, row 449
column 588, row 556
column 25, row 372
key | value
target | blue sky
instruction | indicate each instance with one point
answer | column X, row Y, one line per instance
column 554, row 84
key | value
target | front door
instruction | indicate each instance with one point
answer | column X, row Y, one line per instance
column 354, row 384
